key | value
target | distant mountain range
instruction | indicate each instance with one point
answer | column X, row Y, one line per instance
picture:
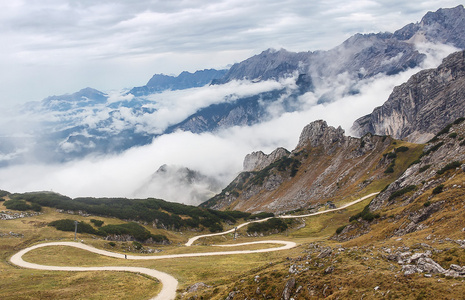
column 90, row 122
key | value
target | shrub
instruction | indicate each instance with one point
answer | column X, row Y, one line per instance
column 403, row 191
column 340, row 229
column 389, row 169
column 216, row 227
column 112, row 244
column 401, row 149
column 432, row 149
column 391, row 155
column 424, row 168
column 449, row 166
column 137, row 245
column 427, row 203
column 365, row 214
column 453, row 135
column 21, row 205
column 272, row 225
column 97, row 223
column 459, row 120
column 69, row 225
column 438, row 189
column 261, row 215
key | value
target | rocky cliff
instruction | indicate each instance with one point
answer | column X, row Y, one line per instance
column 325, row 166
column 419, row 108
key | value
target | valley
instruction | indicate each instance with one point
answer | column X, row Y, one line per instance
column 376, row 211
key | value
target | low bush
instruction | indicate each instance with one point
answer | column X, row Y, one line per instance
column 389, row 169
column 21, row 205
column 365, row 214
column 135, row 230
column 424, row 168
column 273, row 225
column 449, row 166
column 261, row 215
column 403, row 191
column 438, row 189
column 69, row 225
column 401, row 149
column 97, row 223
column 432, row 149
column 340, row 229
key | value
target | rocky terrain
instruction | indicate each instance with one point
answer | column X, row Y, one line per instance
column 422, row 106
column 326, row 165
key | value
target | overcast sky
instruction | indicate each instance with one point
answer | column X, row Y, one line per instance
column 53, row 47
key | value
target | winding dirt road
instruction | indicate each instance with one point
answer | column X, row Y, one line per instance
column 169, row 283
column 193, row 239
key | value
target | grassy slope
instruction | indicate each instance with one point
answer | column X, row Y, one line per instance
column 357, row 270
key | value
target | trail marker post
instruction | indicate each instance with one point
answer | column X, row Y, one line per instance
column 75, row 229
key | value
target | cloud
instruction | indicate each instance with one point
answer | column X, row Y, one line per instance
column 218, row 155
column 58, row 46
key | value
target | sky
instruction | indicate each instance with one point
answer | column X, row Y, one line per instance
column 54, row 47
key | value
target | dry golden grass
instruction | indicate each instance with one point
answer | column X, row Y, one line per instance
column 357, row 271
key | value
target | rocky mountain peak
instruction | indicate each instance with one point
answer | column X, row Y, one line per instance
column 257, row 161
column 446, row 25
column 319, row 133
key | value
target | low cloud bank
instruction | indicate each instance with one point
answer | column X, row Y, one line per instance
column 218, row 155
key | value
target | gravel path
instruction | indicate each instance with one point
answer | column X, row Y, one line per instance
column 169, row 283
column 193, row 239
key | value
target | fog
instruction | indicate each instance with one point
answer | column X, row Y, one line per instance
column 218, row 155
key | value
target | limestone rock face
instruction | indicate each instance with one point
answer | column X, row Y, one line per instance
column 421, row 107
column 258, row 160
column 318, row 133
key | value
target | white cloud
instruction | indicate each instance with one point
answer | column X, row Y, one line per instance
column 219, row 155
column 59, row 46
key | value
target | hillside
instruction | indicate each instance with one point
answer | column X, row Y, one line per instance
column 325, row 166
column 406, row 243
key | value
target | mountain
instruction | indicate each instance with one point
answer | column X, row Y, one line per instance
column 84, row 98
column 421, row 107
column 325, row 166
column 180, row 184
column 362, row 56
column 445, row 26
column 256, row 90
column 185, row 80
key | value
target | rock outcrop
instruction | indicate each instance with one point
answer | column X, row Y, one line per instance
column 421, row 107
column 257, row 161
column 325, row 166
